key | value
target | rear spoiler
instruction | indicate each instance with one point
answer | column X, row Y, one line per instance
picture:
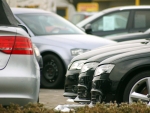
column 6, row 16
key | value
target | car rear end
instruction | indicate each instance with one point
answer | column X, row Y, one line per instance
column 19, row 70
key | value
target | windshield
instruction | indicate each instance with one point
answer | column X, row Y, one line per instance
column 48, row 24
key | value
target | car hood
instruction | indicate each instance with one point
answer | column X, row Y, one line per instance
column 103, row 56
column 73, row 41
column 141, row 53
column 110, row 48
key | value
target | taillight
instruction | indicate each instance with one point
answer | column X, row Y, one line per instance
column 6, row 44
column 19, row 45
column 23, row 46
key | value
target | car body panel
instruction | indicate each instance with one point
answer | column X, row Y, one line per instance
column 109, row 48
column 127, row 61
column 6, row 31
column 126, row 56
column 20, row 79
column 103, row 56
column 20, row 85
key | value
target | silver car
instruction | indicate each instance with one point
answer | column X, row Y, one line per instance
column 19, row 69
column 58, row 41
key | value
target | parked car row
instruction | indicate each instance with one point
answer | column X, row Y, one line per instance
column 58, row 41
column 118, row 72
column 31, row 39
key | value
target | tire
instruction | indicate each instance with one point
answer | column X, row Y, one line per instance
column 52, row 73
column 138, row 88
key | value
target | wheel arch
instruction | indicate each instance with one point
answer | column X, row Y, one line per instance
column 50, row 52
column 127, row 77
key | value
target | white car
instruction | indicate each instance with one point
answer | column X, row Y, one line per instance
column 117, row 20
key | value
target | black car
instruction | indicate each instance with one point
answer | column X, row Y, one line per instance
column 71, row 81
column 88, row 69
column 123, row 78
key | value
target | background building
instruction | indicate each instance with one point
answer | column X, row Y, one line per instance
column 103, row 4
column 66, row 8
column 61, row 7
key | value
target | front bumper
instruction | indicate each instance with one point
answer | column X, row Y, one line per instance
column 71, row 81
column 102, row 89
column 84, row 86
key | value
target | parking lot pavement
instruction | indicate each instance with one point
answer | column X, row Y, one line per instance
column 51, row 98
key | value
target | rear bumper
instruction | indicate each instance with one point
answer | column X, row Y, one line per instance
column 18, row 90
column 20, row 80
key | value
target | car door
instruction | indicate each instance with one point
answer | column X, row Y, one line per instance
column 112, row 23
column 140, row 20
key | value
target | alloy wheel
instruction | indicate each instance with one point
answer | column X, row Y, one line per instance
column 140, row 91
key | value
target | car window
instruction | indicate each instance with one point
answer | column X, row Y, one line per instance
column 46, row 24
column 113, row 21
column 142, row 19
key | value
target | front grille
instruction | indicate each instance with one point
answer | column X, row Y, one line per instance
column 103, row 85
column 76, row 77
column 98, row 84
column 84, row 80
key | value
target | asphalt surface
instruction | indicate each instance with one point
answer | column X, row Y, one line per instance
column 51, row 98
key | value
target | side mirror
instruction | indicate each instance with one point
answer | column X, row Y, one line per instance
column 88, row 29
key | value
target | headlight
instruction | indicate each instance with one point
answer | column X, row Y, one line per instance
column 77, row 65
column 88, row 66
column 107, row 68
column 78, row 51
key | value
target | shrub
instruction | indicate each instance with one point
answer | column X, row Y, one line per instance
column 139, row 107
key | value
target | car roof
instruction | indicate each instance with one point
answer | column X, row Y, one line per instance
column 28, row 10
column 128, row 7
